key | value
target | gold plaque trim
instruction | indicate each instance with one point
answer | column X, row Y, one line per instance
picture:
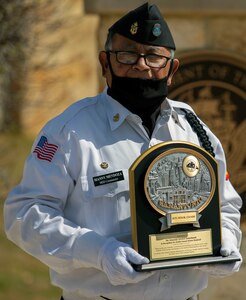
column 132, row 184
column 153, row 148
column 133, row 213
column 181, row 150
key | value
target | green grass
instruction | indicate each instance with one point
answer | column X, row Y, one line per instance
column 21, row 275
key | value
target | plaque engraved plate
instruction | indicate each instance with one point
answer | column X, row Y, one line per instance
column 182, row 244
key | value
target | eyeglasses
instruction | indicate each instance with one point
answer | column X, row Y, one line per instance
column 131, row 58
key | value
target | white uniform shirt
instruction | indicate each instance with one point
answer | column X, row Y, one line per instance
column 58, row 215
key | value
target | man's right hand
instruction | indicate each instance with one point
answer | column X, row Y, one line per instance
column 115, row 259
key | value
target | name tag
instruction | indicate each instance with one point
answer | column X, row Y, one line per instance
column 108, row 178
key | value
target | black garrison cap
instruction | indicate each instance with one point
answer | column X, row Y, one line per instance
column 145, row 25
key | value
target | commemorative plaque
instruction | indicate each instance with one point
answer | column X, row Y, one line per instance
column 175, row 206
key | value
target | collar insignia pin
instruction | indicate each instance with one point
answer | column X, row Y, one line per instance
column 116, row 118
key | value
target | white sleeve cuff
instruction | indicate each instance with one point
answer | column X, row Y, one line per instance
column 86, row 249
column 228, row 235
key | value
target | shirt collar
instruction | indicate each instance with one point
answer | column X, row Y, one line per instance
column 116, row 112
column 167, row 110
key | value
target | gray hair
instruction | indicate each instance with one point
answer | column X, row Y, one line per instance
column 109, row 43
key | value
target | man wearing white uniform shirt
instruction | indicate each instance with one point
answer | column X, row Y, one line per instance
column 78, row 224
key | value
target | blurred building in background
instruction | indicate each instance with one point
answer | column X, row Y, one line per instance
column 54, row 62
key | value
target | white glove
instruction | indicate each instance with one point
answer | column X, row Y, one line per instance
column 228, row 247
column 115, row 259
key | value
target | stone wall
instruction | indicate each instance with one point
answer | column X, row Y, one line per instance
column 62, row 64
column 203, row 24
column 62, row 67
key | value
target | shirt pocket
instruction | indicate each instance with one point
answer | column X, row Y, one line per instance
column 106, row 206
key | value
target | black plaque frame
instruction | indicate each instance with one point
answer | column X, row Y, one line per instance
column 145, row 219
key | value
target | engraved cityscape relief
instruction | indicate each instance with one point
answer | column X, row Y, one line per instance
column 169, row 189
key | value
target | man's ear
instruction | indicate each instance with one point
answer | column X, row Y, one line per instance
column 175, row 66
column 103, row 62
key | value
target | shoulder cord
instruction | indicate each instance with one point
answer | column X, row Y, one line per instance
column 199, row 130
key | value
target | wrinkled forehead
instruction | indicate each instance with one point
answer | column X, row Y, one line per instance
column 120, row 42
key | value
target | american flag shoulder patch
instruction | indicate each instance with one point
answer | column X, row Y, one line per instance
column 44, row 150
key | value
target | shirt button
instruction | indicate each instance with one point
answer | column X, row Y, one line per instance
column 104, row 165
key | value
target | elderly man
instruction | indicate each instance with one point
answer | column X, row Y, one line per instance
column 79, row 225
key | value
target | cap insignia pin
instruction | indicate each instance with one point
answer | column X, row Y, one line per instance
column 134, row 28
column 156, row 29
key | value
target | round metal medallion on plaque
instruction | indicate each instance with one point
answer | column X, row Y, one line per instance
column 179, row 180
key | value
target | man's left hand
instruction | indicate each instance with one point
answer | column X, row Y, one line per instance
column 228, row 247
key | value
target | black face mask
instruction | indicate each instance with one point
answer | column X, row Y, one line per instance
column 141, row 96
column 138, row 95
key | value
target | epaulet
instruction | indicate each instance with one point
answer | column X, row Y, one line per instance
column 178, row 106
column 58, row 123
column 186, row 110
column 181, row 111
